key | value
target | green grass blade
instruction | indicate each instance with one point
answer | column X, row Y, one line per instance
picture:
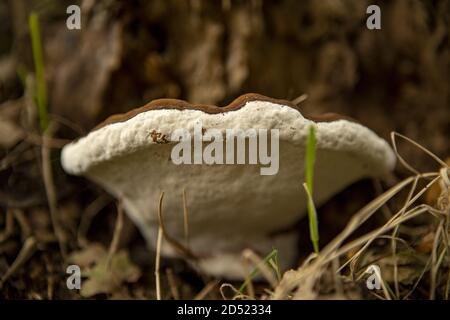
column 310, row 157
column 276, row 264
column 41, row 89
column 273, row 255
column 309, row 176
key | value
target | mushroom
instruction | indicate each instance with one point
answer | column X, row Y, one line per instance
column 232, row 202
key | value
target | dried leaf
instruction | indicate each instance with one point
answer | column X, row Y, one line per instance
column 101, row 277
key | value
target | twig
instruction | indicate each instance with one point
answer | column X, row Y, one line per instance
column 433, row 273
column 14, row 155
column 157, row 263
column 69, row 124
column 337, row 277
column 237, row 293
column 177, row 245
column 25, row 253
column 52, row 143
column 9, row 226
column 23, row 223
column 300, row 99
column 50, row 278
column 158, row 249
column 47, row 174
column 403, row 161
column 116, row 236
column 185, row 219
column 172, row 284
column 206, row 290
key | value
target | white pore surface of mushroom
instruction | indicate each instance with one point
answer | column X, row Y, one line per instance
column 231, row 206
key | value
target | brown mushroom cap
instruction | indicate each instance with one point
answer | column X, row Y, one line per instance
column 236, row 104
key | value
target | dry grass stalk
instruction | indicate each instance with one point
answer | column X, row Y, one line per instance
column 114, row 246
column 28, row 248
column 301, row 283
column 47, row 174
column 183, row 250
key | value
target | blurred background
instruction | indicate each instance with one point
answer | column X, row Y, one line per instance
column 128, row 53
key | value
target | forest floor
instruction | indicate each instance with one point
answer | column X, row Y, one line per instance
column 394, row 79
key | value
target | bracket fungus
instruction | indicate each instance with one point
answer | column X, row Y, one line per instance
column 232, row 202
